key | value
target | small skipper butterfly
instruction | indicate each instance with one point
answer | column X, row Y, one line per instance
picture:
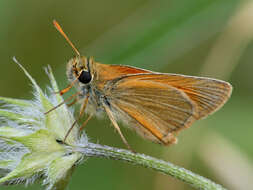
column 156, row 105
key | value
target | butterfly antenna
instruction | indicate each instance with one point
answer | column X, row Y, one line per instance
column 59, row 28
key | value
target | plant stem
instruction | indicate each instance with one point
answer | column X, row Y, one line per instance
column 195, row 180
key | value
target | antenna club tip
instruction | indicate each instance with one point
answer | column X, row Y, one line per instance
column 56, row 24
column 58, row 27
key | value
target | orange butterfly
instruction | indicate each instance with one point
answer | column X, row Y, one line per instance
column 156, row 105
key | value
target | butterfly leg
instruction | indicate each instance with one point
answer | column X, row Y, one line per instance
column 72, row 103
column 80, row 115
column 63, row 91
column 116, row 126
column 63, row 102
column 85, row 122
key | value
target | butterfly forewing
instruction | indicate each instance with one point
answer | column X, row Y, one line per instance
column 157, row 108
column 208, row 94
column 160, row 104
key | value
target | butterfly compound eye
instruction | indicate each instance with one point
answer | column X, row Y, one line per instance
column 85, row 77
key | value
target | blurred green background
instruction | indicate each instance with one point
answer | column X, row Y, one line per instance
column 193, row 37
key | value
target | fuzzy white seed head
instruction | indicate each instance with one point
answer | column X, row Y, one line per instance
column 30, row 147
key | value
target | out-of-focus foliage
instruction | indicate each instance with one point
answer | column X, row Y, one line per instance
column 197, row 37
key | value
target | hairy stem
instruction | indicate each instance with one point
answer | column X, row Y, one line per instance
column 195, row 180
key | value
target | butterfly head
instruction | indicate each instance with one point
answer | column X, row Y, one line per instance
column 79, row 68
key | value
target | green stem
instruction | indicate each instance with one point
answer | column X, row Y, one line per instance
column 195, row 180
